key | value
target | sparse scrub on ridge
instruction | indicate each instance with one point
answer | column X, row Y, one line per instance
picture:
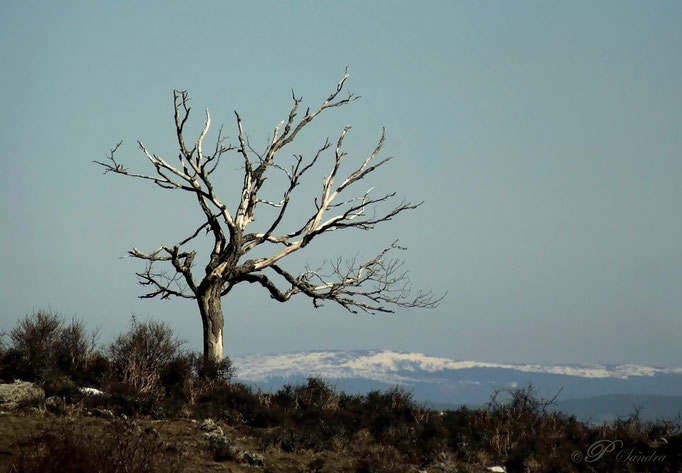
column 147, row 377
column 140, row 368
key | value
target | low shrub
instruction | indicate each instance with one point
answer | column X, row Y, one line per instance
column 381, row 459
column 139, row 356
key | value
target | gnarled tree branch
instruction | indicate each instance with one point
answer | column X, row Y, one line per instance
column 377, row 285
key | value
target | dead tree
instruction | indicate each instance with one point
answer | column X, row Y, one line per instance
column 377, row 285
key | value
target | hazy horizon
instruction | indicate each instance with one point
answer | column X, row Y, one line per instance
column 544, row 139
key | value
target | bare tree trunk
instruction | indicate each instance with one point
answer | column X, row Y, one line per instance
column 212, row 321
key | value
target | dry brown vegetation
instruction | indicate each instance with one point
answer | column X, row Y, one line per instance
column 153, row 425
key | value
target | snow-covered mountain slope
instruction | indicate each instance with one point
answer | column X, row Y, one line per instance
column 442, row 380
column 394, row 367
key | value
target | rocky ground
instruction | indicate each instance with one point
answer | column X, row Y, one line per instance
column 129, row 409
column 27, row 437
column 39, row 434
column 31, row 437
column 197, row 446
column 101, row 434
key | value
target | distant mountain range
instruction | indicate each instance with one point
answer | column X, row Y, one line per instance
column 591, row 392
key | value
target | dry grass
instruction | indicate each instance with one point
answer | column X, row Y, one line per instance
column 152, row 406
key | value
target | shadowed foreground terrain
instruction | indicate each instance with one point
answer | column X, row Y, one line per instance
column 143, row 404
column 40, row 442
column 311, row 428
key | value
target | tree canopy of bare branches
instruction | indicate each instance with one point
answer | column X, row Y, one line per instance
column 377, row 285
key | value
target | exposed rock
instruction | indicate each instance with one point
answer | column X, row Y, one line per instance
column 91, row 391
column 229, row 450
column 226, row 449
column 20, row 392
column 216, row 440
column 210, row 426
column 55, row 404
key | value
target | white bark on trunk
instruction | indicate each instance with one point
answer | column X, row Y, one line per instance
column 212, row 322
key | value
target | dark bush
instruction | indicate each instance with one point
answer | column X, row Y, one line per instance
column 234, row 403
column 34, row 342
column 187, row 377
column 62, row 387
column 215, row 371
column 431, row 438
column 125, row 399
column 311, row 416
column 13, row 366
column 316, row 394
column 316, row 429
column 459, row 433
column 389, row 414
column 75, row 349
column 3, row 346
column 176, row 380
column 285, row 398
column 96, row 372
column 43, row 347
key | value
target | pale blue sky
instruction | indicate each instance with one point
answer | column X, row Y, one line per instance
column 544, row 137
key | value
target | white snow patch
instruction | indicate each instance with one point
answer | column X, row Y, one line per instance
column 394, row 367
